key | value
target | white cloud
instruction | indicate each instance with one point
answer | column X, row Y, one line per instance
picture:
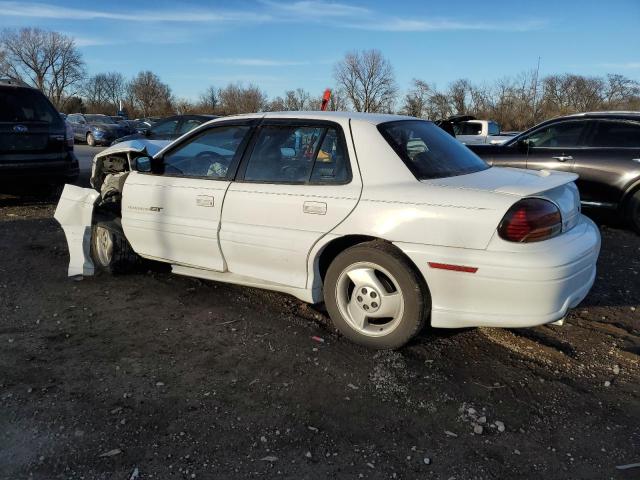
column 44, row 10
column 621, row 66
column 417, row 25
column 317, row 9
column 254, row 62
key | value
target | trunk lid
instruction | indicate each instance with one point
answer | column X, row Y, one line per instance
column 558, row 187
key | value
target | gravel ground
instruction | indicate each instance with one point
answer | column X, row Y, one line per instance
column 150, row 375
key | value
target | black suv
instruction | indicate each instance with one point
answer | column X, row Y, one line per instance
column 603, row 148
column 36, row 145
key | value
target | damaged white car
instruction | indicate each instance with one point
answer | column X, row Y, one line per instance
column 388, row 220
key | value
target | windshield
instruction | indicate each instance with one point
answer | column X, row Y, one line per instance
column 429, row 151
column 100, row 119
column 26, row 105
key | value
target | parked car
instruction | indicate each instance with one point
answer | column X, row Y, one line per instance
column 36, row 146
column 169, row 128
column 471, row 131
column 388, row 220
column 603, row 148
column 96, row 129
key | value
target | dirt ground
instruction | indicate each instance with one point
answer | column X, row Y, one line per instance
column 156, row 376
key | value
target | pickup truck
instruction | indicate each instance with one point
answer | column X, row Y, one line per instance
column 472, row 131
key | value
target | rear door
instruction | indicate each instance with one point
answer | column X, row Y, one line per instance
column 611, row 163
column 173, row 214
column 557, row 145
column 30, row 127
column 296, row 184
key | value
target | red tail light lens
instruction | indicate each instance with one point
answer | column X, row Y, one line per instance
column 531, row 220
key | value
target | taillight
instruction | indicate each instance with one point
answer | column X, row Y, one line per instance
column 69, row 135
column 531, row 220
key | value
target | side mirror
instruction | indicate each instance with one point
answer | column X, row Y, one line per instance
column 142, row 164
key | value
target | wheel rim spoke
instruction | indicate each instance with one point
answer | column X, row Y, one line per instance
column 365, row 277
column 389, row 305
column 357, row 315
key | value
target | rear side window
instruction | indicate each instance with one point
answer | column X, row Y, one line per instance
column 467, row 128
column 616, row 133
column 168, row 127
column 26, row 105
column 429, row 151
column 298, row 154
column 561, row 134
column 494, row 128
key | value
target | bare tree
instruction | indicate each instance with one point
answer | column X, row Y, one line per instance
column 417, row 99
column 47, row 60
column 209, row 100
column 297, row 100
column 235, row 98
column 368, row 81
column 104, row 91
column 458, row 92
column 149, row 95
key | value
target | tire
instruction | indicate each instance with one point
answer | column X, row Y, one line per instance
column 110, row 250
column 633, row 211
column 91, row 141
column 378, row 272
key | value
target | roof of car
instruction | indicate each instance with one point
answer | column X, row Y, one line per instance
column 373, row 118
column 606, row 113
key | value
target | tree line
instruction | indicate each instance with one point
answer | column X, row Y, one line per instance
column 364, row 81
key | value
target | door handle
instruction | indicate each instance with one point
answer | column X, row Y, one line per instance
column 563, row 158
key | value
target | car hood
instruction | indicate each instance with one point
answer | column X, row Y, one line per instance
column 136, row 146
column 510, row 181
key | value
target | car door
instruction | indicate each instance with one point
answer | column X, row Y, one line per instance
column 73, row 120
column 173, row 213
column 610, row 163
column 556, row 145
column 297, row 182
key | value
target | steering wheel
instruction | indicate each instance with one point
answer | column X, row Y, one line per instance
column 210, row 158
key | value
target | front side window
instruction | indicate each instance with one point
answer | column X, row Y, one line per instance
column 562, row 134
column 616, row 134
column 429, row 151
column 297, row 154
column 167, row 127
column 209, row 154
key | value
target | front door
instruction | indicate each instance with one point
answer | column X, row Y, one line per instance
column 173, row 214
column 295, row 186
column 556, row 146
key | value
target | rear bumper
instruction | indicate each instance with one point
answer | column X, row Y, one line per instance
column 533, row 284
column 39, row 171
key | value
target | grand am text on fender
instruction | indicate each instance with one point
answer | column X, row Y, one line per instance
column 387, row 219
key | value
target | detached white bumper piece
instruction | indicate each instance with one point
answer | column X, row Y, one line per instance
column 74, row 214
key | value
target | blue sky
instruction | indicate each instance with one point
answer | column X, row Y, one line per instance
column 282, row 45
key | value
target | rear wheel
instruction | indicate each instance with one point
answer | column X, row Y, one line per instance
column 374, row 296
column 110, row 250
column 91, row 141
column 633, row 211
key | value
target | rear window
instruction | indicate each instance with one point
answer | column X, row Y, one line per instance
column 467, row 128
column 26, row 105
column 429, row 151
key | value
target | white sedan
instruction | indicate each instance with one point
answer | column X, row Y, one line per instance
column 388, row 220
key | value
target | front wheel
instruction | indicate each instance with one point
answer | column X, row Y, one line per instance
column 633, row 211
column 110, row 250
column 374, row 296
